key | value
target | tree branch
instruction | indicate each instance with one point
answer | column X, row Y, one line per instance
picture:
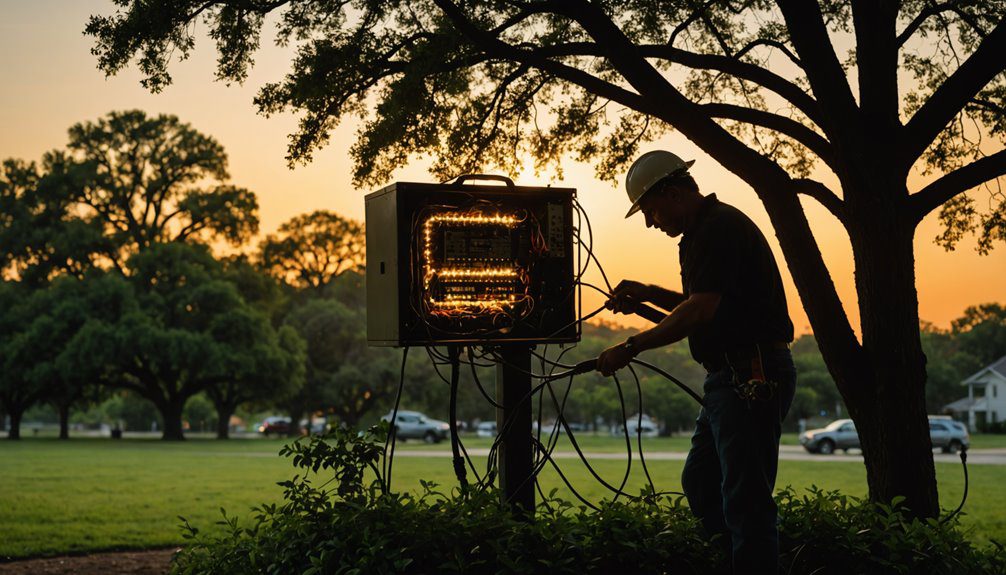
column 824, row 71
column 785, row 126
column 772, row 44
column 538, row 58
column 822, row 194
column 953, row 95
column 689, row 21
column 922, row 16
column 956, row 182
column 736, row 68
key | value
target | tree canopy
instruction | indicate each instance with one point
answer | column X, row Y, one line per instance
column 147, row 180
column 311, row 250
column 477, row 84
column 188, row 330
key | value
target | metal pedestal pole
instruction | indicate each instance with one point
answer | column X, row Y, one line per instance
column 513, row 384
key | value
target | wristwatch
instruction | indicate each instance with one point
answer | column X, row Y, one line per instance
column 630, row 345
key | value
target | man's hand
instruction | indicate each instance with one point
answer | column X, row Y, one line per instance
column 627, row 294
column 613, row 359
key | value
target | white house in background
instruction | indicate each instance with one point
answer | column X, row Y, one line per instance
column 986, row 400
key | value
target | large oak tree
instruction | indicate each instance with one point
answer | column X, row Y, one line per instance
column 187, row 330
column 756, row 84
column 144, row 180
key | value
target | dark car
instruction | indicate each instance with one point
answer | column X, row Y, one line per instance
column 949, row 435
column 275, row 424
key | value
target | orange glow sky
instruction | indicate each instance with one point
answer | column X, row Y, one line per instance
column 50, row 81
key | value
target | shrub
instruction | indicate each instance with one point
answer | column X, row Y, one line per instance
column 348, row 525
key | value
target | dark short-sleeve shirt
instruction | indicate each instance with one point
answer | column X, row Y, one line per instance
column 724, row 252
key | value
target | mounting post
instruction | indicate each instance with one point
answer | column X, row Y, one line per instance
column 516, row 457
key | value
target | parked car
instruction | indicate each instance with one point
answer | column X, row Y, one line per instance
column 647, row 427
column 839, row 434
column 949, row 435
column 280, row 425
column 415, row 425
column 276, row 424
column 486, row 429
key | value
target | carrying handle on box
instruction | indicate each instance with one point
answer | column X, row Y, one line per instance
column 464, row 178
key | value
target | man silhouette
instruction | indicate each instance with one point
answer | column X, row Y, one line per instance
column 732, row 309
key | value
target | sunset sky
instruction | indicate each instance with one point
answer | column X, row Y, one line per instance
column 49, row 81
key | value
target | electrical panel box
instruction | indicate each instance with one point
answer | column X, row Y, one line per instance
column 470, row 263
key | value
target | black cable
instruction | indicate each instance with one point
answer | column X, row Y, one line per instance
column 639, row 430
column 590, row 250
column 478, row 382
column 964, row 462
column 459, row 462
column 672, row 379
column 582, row 367
column 594, row 287
column 625, row 429
column 645, row 364
column 578, row 321
column 569, row 485
column 393, row 432
column 576, row 447
column 553, row 438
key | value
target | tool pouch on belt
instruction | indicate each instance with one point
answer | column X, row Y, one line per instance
column 749, row 379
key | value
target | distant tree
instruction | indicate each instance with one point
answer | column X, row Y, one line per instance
column 973, row 341
column 343, row 377
column 263, row 365
column 759, row 86
column 668, row 404
column 18, row 392
column 806, row 403
column 257, row 287
column 149, row 180
column 184, row 336
column 132, row 411
column 982, row 332
column 946, row 362
column 41, row 235
column 311, row 250
column 59, row 312
column 813, row 374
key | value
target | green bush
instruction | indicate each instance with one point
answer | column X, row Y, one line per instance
column 349, row 525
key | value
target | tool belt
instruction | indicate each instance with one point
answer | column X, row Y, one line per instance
column 749, row 379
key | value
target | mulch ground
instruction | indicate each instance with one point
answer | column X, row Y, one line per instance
column 151, row 562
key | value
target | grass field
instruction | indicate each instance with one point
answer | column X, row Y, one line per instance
column 91, row 494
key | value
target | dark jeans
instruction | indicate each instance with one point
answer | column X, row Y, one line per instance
column 730, row 472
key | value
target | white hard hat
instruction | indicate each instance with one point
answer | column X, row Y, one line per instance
column 649, row 169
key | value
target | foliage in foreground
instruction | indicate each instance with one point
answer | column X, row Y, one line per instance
column 335, row 521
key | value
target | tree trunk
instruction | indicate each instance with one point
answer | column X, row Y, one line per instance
column 64, row 421
column 171, row 412
column 224, row 413
column 882, row 379
column 295, row 415
column 15, row 423
column 889, row 403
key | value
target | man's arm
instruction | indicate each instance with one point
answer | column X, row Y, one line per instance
column 628, row 293
column 698, row 309
column 664, row 298
column 690, row 313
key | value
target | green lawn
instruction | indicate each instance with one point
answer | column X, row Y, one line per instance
column 90, row 494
